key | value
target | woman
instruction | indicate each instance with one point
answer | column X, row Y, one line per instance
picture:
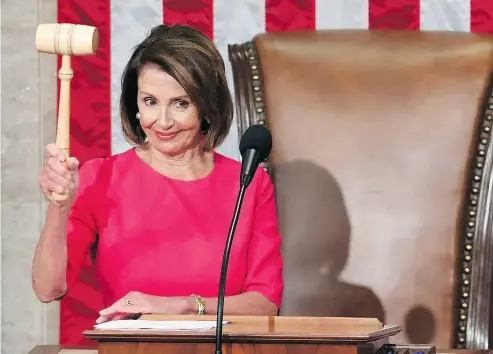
column 160, row 211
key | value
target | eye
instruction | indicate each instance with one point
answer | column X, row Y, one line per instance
column 182, row 104
column 149, row 101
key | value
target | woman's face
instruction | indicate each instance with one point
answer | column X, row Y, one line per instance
column 167, row 115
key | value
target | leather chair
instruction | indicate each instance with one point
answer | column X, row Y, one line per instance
column 382, row 163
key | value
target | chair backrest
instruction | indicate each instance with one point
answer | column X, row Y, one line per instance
column 382, row 164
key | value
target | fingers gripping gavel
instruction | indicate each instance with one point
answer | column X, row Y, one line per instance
column 67, row 40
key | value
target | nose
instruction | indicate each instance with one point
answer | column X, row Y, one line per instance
column 165, row 119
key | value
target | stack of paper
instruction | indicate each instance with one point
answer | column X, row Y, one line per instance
column 158, row 325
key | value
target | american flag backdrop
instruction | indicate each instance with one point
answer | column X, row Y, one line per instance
column 95, row 122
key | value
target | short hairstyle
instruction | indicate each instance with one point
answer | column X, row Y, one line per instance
column 192, row 59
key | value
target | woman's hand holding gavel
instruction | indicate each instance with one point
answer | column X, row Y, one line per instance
column 60, row 176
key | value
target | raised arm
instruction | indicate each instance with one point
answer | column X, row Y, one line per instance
column 68, row 222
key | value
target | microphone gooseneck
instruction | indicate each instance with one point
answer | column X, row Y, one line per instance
column 224, row 270
column 255, row 147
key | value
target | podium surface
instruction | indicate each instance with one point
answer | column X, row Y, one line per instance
column 57, row 349
column 252, row 334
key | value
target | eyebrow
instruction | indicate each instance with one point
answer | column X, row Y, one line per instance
column 181, row 97
column 145, row 93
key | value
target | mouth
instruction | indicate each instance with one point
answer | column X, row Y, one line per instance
column 165, row 135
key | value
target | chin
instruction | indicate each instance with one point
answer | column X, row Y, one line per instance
column 169, row 148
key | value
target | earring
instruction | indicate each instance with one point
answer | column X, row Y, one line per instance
column 137, row 115
column 207, row 120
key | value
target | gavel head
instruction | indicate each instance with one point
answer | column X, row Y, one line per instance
column 67, row 39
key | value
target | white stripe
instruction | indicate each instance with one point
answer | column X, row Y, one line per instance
column 131, row 20
column 341, row 14
column 445, row 15
column 232, row 25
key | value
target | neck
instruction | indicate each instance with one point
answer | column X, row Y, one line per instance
column 189, row 165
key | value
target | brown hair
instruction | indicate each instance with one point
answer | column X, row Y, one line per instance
column 190, row 58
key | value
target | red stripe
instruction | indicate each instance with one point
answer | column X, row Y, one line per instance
column 198, row 14
column 394, row 14
column 482, row 16
column 289, row 15
column 90, row 137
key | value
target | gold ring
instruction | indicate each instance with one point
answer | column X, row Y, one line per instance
column 127, row 302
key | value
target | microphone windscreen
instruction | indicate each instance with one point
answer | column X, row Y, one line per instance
column 257, row 137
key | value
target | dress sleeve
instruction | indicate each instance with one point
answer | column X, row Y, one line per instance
column 264, row 262
column 81, row 227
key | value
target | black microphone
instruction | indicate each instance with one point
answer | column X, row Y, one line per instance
column 255, row 147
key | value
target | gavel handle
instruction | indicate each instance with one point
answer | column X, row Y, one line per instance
column 65, row 74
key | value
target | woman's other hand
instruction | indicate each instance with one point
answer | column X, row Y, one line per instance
column 138, row 303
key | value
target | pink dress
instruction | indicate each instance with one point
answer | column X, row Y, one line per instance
column 166, row 237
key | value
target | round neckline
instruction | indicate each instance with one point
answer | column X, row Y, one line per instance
column 146, row 167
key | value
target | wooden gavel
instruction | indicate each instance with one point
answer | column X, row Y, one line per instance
column 65, row 39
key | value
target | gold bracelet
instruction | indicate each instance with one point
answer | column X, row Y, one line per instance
column 200, row 304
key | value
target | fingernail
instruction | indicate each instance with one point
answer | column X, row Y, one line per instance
column 99, row 320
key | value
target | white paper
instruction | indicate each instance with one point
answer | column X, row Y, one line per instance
column 158, row 325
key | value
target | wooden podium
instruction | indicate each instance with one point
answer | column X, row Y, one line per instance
column 252, row 334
